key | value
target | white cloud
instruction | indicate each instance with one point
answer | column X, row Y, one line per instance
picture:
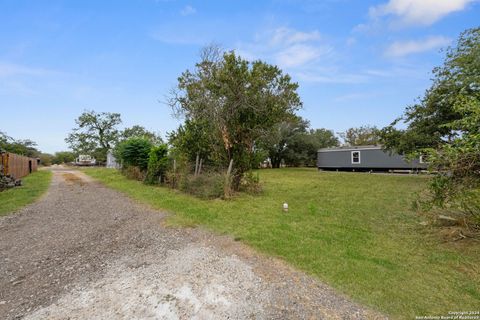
column 331, row 77
column 14, row 87
column 305, row 55
column 188, row 10
column 350, row 41
column 297, row 55
column 23, row 80
column 10, row 70
column 288, row 36
column 286, row 47
column 419, row 12
column 404, row 48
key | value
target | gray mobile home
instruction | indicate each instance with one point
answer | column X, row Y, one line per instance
column 364, row 158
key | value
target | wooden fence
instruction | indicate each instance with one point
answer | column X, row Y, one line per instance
column 16, row 165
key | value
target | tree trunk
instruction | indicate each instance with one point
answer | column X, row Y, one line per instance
column 236, row 180
column 275, row 162
column 228, row 181
column 200, row 167
column 174, row 173
column 196, row 165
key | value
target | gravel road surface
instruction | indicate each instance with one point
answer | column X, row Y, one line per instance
column 84, row 251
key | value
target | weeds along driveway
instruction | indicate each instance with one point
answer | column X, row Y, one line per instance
column 87, row 252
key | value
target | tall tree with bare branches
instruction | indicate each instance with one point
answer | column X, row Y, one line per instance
column 242, row 100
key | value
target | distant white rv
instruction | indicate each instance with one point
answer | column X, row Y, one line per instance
column 85, row 160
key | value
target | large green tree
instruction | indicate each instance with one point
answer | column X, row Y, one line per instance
column 24, row 147
column 458, row 163
column 303, row 148
column 242, row 100
column 4, row 140
column 134, row 152
column 46, row 159
column 294, row 144
column 360, row 136
column 63, row 157
column 195, row 138
column 278, row 143
column 138, row 131
column 428, row 121
column 316, row 139
column 95, row 133
column 445, row 125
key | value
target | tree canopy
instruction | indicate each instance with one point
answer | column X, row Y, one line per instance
column 195, row 138
column 279, row 142
column 63, row 157
column 241, row 100
column 24, row 147
column 138, row 131
column 95, row 133
column 428, row 121
column 364, row 135
column 445, row 126
column 293, row 143
column 134, row 152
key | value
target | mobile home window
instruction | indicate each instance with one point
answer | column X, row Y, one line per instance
column 355, row 156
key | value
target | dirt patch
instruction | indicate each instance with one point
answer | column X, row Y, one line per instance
column 71, row 178
column 452, row 228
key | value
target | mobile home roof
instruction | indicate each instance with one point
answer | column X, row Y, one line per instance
column 350, row 148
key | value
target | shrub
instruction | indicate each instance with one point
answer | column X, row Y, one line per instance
column 205, row 186
column 250, row 183
column 63, row 157
column 157, row 164
column 46, row 159
column 135, row 173
column 456, row 187
column 134, row 152
column 470, row 204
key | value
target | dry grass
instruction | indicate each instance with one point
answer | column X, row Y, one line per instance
column 71, row 178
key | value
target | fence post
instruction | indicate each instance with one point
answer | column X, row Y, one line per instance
column 196, row 164
column 227, row 188
column 7, row 164
column 174, row 172
column 200, row 167
column 3, row 157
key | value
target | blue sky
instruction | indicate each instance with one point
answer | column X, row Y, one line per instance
column 357, row 62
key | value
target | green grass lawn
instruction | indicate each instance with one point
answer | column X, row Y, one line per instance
column 355, row 231
column 34, row 185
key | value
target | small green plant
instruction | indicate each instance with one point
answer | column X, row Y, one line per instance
column 470, row 204
column 134, row 152
column 157, row 164
column 251, row 183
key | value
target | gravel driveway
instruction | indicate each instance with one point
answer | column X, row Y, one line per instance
column 84, row 251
